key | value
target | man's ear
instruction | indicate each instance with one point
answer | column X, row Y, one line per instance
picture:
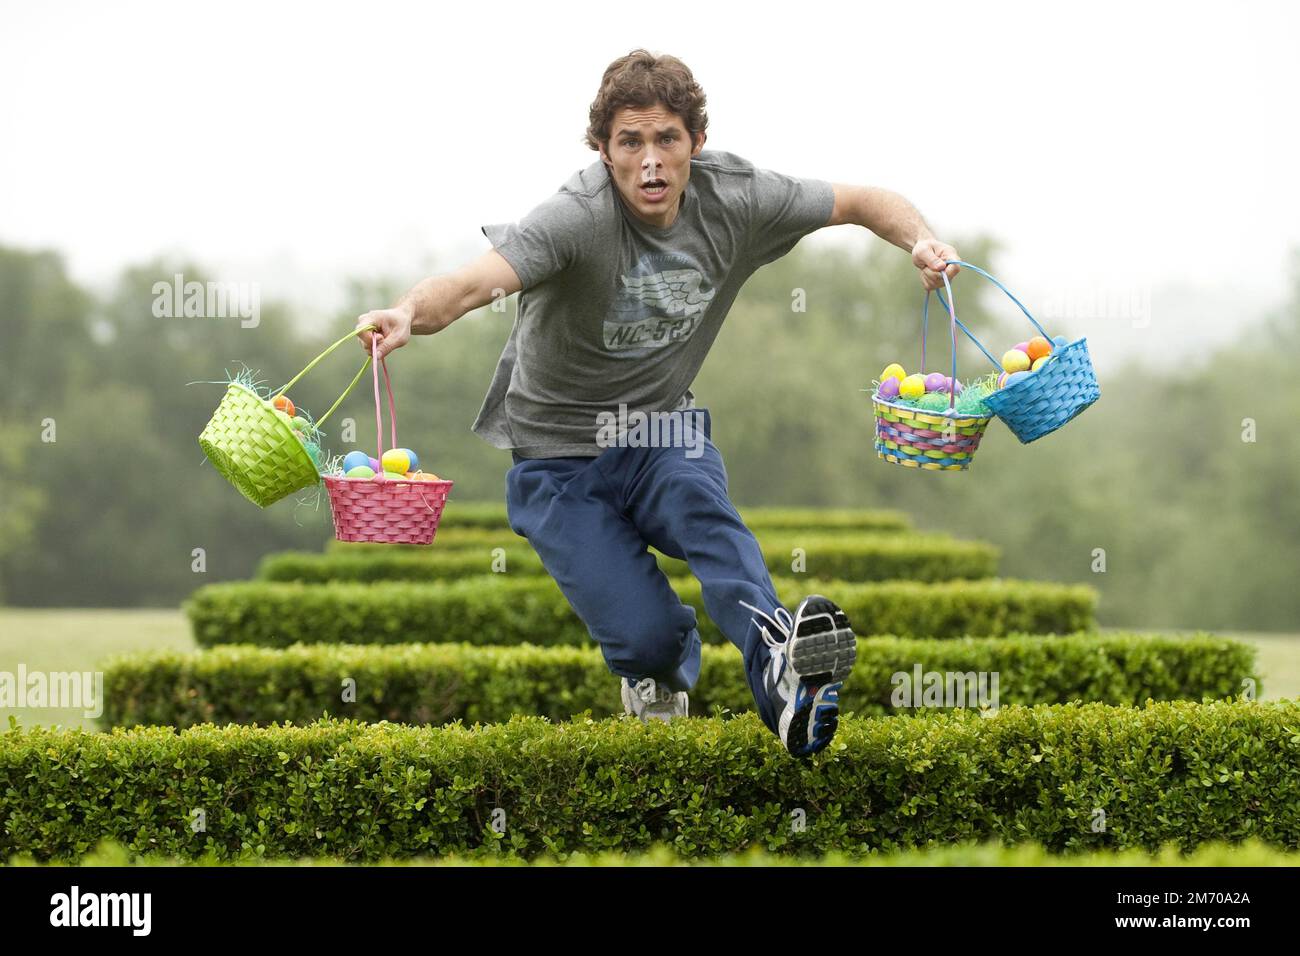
column 700, row 143
column 604, row 156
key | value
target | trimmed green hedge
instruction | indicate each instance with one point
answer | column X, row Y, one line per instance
column 1169, row 772
column 492, row 514
column 500, row 609
column 1247, row 853
column 437, row 683
column 848, row 557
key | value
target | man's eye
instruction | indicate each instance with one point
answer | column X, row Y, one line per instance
column 631, row 143
column 670, row 139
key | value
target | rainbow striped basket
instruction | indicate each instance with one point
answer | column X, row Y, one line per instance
column 934, row 441
column 1040, row 403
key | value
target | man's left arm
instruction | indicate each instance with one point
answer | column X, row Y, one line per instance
column 895, row 220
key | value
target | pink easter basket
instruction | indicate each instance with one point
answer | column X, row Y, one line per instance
column 387, row 510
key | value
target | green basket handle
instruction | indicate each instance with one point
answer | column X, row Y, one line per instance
column 312, row 364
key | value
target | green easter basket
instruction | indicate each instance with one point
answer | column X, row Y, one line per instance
column 254, row 449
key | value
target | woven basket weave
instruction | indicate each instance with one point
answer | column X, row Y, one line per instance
column 253, row 448
column 387, row 510
column 921, row 439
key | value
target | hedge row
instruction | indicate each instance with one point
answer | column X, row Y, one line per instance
column 492, row 514
column 849, row 557
column 499, row 609
column 437, row 683
column 1069, row 777
column 1250, row 852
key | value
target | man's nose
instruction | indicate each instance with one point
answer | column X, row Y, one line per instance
column 650, row 167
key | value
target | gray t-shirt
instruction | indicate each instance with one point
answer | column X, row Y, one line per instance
column 614, row 311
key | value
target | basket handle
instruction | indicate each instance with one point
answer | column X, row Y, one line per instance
column 312, row 364
column 971, row 335
column 375, row 362
column 925, row 321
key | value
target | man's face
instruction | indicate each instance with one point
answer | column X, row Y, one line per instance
column 649, row 155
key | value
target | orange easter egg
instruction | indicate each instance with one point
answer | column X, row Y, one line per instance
column 1038, row 347
column 282, row 402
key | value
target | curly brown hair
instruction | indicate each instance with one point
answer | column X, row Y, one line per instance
column 643, row 79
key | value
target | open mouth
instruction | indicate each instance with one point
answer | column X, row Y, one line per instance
column 654, row 188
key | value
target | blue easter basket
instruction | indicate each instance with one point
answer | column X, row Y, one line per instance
column 1039, row 403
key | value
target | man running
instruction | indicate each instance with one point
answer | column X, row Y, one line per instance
column 626, row 274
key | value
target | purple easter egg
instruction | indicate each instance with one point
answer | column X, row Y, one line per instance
column 1023, row 346
column 374, row 466
column 888, row 388
column 952, row 385
column 936, row 382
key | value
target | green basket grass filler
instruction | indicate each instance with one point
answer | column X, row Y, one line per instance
column 255, row 449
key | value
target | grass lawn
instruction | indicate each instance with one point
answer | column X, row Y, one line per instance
column 80, row 640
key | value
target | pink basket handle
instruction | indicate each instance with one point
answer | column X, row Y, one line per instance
column 375, row 362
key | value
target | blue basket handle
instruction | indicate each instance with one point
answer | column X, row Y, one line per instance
column 925, row 321
column 969, row 334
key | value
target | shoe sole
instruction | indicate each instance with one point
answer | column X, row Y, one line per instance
column 823, row 649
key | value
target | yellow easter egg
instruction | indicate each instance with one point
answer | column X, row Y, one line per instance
column 1038, row 363
column 1015, row 361
column 912, row 387
column 893, row 370
column 396, row 460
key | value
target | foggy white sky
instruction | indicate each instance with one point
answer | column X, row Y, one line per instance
column 1118, row 150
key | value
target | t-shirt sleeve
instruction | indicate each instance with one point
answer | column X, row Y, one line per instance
column 784, row 209
column 546, row 241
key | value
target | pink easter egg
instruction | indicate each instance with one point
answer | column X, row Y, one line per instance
column 936, row 382
column 888, row 388
column 1023, row 346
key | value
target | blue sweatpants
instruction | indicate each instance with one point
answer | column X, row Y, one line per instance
column 590, row 520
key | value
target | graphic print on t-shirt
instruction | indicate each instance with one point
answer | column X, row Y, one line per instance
column 662, row 301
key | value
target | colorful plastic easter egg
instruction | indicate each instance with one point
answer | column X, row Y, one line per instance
column 888, row 388
column 430, row 476
column 936, row 382
column 394, row 476
column 1002, row 380
column 954, row 386
column 1059, row 340
column 395, row 460
column 282, row 403
column 893, row 370
column 912, row 387
column 1015, row 361
column 300, row 423
column 414, row 463
column 1038, row 363
column 354, row 458
column 1015, row 377
column 360, row 471
column 374, row 464
column 1023, row 346
column 1038, row 347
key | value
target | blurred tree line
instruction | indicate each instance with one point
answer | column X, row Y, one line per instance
column 1196, row 527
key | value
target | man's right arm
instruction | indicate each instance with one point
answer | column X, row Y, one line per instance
column 433, row 304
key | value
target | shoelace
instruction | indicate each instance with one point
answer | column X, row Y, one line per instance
column 780, row 625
